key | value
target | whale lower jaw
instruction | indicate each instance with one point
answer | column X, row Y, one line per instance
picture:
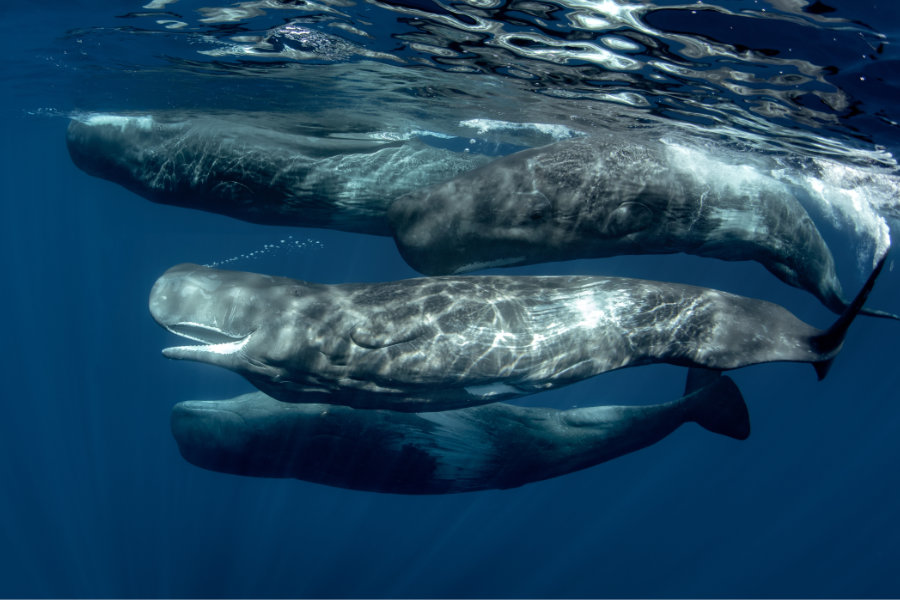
column 213, row 341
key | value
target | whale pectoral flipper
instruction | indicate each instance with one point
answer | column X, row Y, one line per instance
column 698, row 378
column 830, row 341
column 374, row 340
column 720, row 408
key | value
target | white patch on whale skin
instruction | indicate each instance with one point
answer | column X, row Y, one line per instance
column 492, row 389
column 144, row 123
column 748, row 224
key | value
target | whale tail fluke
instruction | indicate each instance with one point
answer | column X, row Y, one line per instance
column 839, row 305
column 829, row 342
column 883, row 314
column 718, row 406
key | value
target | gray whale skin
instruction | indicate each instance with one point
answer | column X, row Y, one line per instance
column 496, row 446
column 452, row 212
column 609, row 195
column 235, row 167
column 441, row 343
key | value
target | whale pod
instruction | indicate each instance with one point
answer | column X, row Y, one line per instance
column 440, row 343
column 454, row 212
column 495, row 446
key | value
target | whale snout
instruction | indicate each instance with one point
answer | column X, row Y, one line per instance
column 210, row 436
column 202, row 305
column 185, row 295
column 106, row 145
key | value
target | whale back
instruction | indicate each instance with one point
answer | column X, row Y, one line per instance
column 612, row 195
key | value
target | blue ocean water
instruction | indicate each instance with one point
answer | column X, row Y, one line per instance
column 96, row 500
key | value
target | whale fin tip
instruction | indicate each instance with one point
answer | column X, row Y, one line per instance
column 721, row 409
column 829, row 342
column 698, row 378
column 822, row 367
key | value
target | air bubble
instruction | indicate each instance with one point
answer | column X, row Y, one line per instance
column 284, row 246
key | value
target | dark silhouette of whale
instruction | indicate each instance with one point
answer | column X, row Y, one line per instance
column 609, row 195
column 484, row 447
column 236, row 167
column 450, row 342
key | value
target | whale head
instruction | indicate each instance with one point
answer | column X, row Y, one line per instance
column 241, row 321
column 202, row 163
column 252, row 434
column 255, row 435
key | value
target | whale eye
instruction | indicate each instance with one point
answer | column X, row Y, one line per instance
column 533, row 206
column 629, row 217
column 233, row 191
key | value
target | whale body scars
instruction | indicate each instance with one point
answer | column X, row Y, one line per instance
column 484, row 447
column 451, row 342
column 611, row 195
column 236, row 168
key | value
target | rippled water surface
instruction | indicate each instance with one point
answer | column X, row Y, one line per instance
column 98, row 503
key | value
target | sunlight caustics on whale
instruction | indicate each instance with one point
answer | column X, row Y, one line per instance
column 590, row 196
column 608, row 195
column 234, row 165
column 450, row 342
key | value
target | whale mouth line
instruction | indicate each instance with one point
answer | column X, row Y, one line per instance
column 212, row 340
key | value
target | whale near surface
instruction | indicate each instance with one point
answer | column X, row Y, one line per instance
column 609, row 195
column 240, row 168
column 440, row 343
column 495, row 446
column 454, row 212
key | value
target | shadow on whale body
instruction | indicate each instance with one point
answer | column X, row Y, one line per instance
column 495, row 446
column 609, row 195
column 442, row 343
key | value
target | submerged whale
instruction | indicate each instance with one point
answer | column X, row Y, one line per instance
column 496, row 446
column 238, row 168
column 454, row 212
column 609, row 195
column 450, row 342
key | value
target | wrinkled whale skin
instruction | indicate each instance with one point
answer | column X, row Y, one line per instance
column 235, row 167
column 450, row 342
column 610, row 195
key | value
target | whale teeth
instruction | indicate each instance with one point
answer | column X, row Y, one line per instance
column 213, row 340
column 203, row 333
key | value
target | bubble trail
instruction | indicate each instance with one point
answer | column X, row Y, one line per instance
column 286, row 245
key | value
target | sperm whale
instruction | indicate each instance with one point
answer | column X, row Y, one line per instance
column 449, row 342
column 496, row 446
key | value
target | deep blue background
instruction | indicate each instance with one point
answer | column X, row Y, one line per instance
column 97, row 502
